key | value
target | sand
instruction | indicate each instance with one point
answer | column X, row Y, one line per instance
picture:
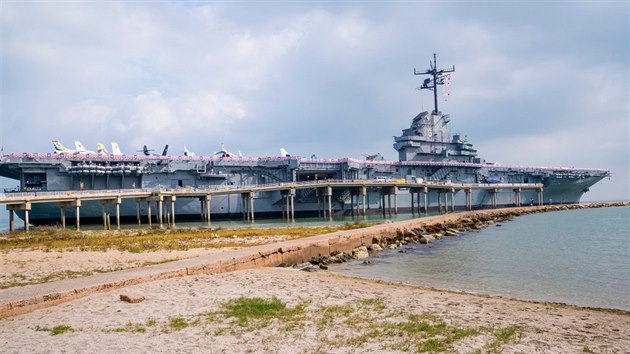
column 22, row 267
column 325, row 312
column 342, row 314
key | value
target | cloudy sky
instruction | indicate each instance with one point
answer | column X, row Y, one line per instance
column 536, row 83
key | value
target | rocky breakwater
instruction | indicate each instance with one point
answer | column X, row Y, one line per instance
column 436, row 228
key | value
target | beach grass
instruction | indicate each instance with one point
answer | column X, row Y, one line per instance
column 60, row 329
column 245, row 309
column 358, row 324
column 146, row 240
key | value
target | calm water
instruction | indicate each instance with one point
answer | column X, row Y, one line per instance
column 580, row 257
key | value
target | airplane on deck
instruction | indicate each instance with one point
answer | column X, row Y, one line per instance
column 60, row 149
column 147, row 151
column 188, row 153
column 101, row 149
column 81, row 149
column 225, row 153
column 116, row 149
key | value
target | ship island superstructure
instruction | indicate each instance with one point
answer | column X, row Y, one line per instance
column 427, row 153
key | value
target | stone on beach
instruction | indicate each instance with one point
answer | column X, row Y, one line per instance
column 131, row 299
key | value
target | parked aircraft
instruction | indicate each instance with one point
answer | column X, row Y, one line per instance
column 81, row 149
column 147, row 151
column 116, row 148
column 101, row 149
column 225, row 153
column 188, row 153
column 60, row 149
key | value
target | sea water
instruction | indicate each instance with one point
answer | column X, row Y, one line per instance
column 580, row 257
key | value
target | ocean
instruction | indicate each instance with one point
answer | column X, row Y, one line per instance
column 579, row 257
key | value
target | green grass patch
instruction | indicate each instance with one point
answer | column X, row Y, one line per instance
column 377, row 303
column 55, row 330
column 508, row 334
column 177, row 323
column 130, row 327
column 433, row 345
column 255, row 308
column 416, row 324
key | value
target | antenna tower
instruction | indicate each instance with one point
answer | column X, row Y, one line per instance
column 437, row 78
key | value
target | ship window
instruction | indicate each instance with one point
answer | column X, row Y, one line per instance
column 180, row 183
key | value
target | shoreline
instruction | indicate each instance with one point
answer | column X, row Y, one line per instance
column 316, row 249
column 489, row 296
column 325, row 312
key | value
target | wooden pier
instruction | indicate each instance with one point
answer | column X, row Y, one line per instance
column 324, row 190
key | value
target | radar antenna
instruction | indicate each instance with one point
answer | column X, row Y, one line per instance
column 438, row 79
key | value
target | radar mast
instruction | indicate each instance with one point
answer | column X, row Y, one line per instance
column 438, row 77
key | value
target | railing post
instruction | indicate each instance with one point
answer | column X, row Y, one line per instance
column 173, row 198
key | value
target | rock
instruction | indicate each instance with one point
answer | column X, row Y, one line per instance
column 360, row 252
column 450, row 233
column 131, row 299
column 427, row 239
column 392, row 246
column 375, row 247
column 324, row 267
column 333, row 259
column 302, row 266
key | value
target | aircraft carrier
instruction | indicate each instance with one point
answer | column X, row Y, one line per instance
column 426, row 152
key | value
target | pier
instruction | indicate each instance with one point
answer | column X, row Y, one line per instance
column 165, row 199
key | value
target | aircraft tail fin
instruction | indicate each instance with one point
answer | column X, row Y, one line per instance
column 101, row 149
column 284, row 153
column 116, row 148
column 240, row 154
column 59, row 147
column 79, row 146
column 145, row 150
column 188, row 153
column 165, row 152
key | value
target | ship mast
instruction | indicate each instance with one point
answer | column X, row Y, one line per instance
column 432, row 83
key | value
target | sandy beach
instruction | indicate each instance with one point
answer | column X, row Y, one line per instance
column 340, row 314
column 280, row 310
column 35, row 266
